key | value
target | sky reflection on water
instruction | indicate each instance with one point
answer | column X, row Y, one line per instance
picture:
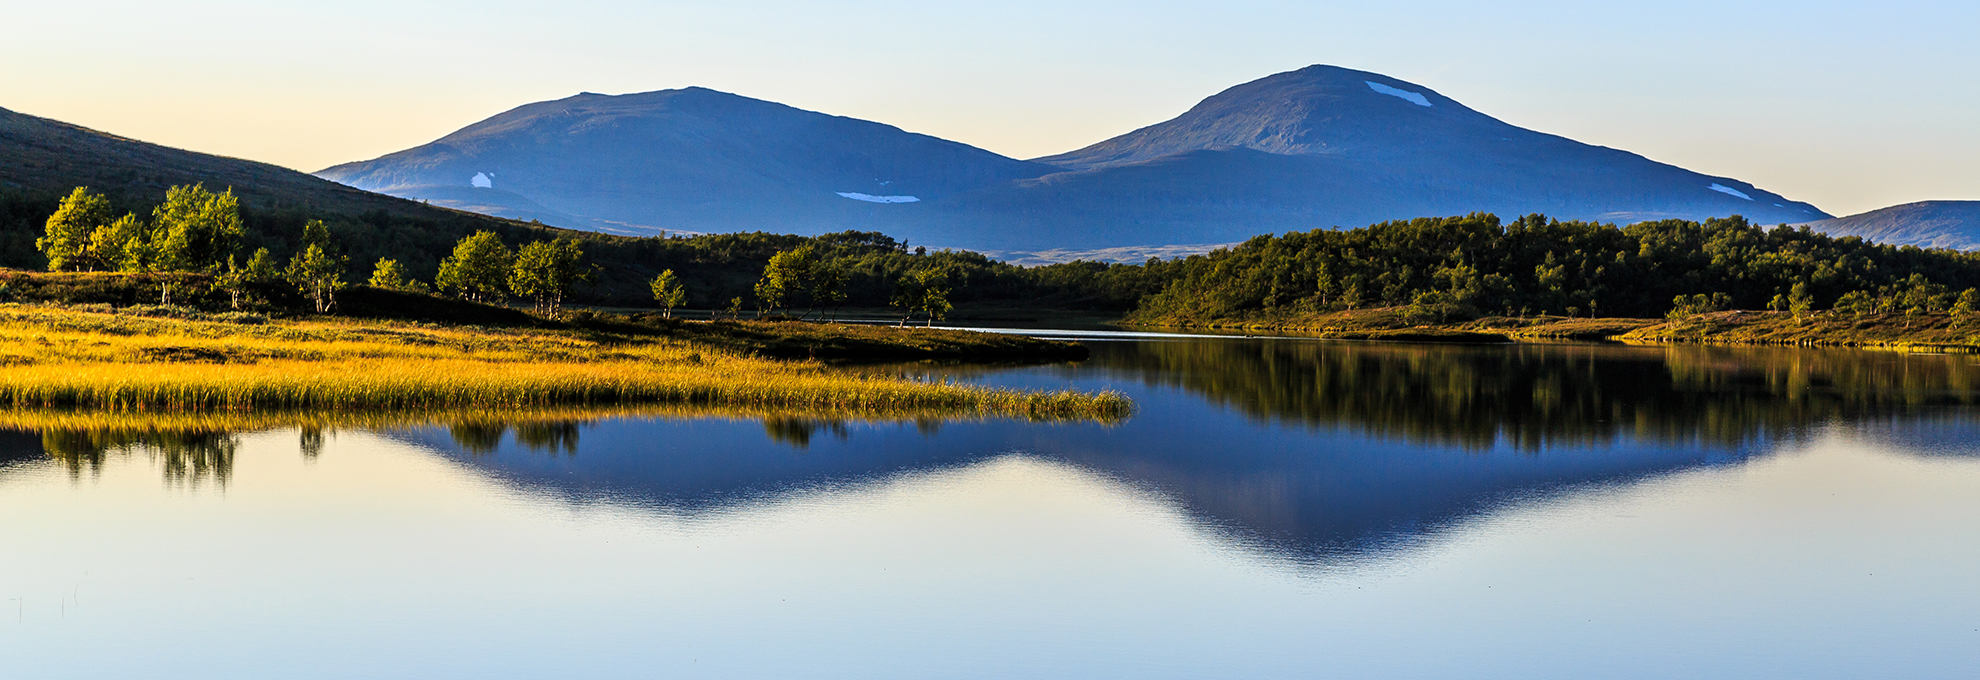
column 1743, row 515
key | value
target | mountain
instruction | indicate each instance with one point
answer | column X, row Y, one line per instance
column 1318, row 147
column 1926, row 224
column 1331, row 146
column 691, row 159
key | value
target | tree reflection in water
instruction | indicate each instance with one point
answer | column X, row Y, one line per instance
column 797, row 432
column 1534, row 395
column 482, row 437
column 187, row 458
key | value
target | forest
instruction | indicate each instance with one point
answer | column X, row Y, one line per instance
column 1443, row 269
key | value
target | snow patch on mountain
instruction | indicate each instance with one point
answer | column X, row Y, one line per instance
column 1721, row 188
column 481, row 179
column 1405, row 95
column 869, row 198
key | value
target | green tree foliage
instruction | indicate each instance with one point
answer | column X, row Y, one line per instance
column 787, row 276
column 66, row 241
column 923, row 290
column 387, row 274
column 545, row 271
column 1968, row 303
column 121, row 245
column 317, row 270
column 241, row 282
column 195, row 229
column 318, row 275
column 668, row 291
column 1801, row 302
column 1699, row 303
column 1475, row 265
column 828, row 286
column 479, row 268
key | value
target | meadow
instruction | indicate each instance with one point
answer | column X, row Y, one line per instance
column 100, row 358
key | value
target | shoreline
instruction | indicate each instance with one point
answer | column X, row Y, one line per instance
column 1937, row 332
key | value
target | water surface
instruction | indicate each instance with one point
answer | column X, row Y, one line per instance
column 1276, row 508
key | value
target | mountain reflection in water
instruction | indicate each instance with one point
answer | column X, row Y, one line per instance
column 1307, row 450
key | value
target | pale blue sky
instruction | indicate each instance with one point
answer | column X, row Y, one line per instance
column 1849, row 105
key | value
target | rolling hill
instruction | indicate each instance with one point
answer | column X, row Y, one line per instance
column 1317, row 147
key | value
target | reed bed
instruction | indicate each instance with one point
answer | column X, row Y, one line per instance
column 52, row 358
column 272, row 419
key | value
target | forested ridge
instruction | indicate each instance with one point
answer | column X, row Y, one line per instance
column 1465, row 267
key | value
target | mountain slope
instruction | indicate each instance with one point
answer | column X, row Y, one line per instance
column 42, row 159
column 1327, row 146
column 42, row 155
column 692, row 159
column 1926, row 224
column 1318, row 147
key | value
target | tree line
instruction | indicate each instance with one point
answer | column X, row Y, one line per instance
column 196, row 231
column 1440, row 269
column 714, row 271
column 1436, row 269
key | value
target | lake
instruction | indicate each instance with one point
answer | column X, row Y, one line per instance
column 1276, row 508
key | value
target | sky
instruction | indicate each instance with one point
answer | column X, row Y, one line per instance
column 1851, row 106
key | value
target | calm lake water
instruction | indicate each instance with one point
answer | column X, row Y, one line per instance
column 1277, row 508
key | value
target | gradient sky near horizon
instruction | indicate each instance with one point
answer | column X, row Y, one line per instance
column 1849, row 105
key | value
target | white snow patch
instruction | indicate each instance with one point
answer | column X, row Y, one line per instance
column 483, row 180
column 1721, row 188
column 1406, row 95
column 869, row 198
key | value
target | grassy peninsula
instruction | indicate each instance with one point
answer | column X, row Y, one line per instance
column 103, row 358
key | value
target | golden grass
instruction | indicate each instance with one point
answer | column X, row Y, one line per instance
column 56, row 358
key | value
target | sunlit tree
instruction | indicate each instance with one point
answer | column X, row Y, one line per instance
column 66, row 241
column 668, row 291
column 545, row 271
column 479, row 268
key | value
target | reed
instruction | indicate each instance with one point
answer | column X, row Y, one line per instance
column 93, row 360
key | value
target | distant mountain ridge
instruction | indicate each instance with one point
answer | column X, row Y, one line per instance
column 1322, row 146
column 691, row 159
column 1926, row 224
